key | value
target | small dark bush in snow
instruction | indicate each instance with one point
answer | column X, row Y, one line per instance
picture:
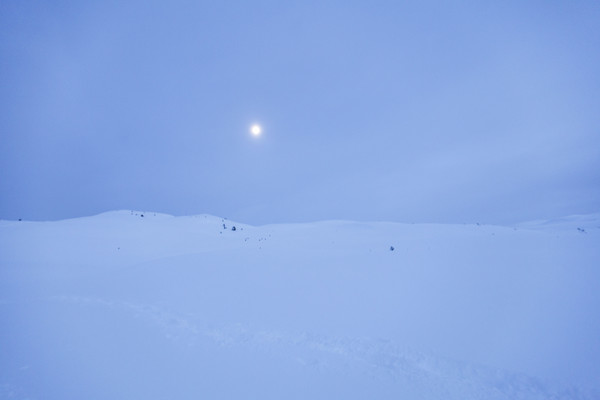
column 391, row 248
column 233, row 228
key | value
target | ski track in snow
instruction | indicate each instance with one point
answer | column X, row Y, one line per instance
column 380, row 359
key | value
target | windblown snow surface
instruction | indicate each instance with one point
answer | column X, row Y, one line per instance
column 131, row 305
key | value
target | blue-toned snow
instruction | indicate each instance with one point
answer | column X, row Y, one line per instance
column 125, row 306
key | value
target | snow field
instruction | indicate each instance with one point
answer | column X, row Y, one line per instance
column 124, row 306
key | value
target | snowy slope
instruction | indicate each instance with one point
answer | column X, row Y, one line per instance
column 124, row 306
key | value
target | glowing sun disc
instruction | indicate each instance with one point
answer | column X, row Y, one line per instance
column 255, row 129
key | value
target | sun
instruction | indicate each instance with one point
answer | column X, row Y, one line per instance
column 255, row 130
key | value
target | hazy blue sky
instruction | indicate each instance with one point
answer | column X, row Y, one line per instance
column 418, row 111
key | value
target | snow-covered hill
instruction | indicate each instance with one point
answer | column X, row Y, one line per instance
column 131, row 305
